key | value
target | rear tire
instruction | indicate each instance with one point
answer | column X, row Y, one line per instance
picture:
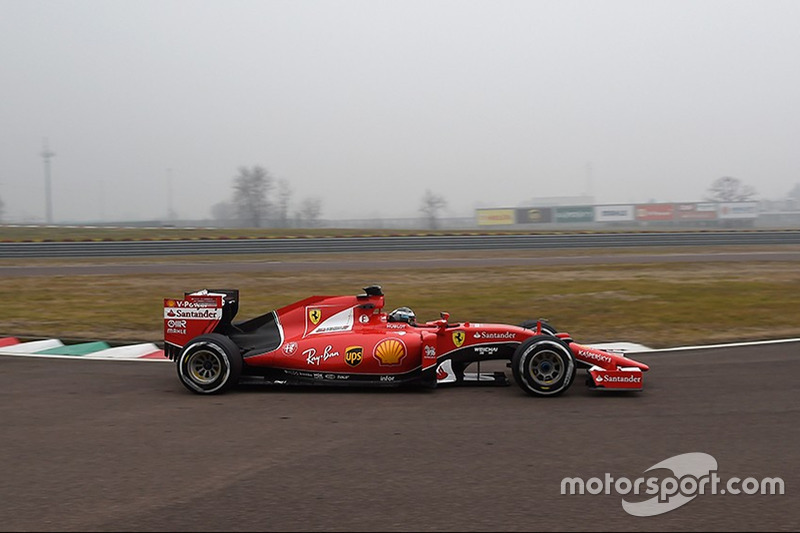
column 543, row 366
column 210, row 364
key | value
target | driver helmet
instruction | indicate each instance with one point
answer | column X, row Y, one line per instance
column 403, row 314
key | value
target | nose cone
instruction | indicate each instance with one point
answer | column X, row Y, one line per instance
column 630, row 362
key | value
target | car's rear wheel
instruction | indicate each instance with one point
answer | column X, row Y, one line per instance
column 543, row 366
column 209, row 364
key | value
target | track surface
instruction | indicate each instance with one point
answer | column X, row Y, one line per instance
column 96, row 445
column 437, row 243
column 360, row 263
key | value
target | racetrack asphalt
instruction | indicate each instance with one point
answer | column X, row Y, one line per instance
column 357, row 262
column 102, row 446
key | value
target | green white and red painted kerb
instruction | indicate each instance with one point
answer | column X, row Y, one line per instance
column 89, row 350
column 148, row 351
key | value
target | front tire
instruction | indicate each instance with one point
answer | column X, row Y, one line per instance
column 210, row 364
column 543, row 366
column 533, row 324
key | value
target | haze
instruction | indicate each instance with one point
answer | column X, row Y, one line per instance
column 366, row 104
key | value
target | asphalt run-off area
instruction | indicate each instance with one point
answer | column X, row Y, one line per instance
column 100, row 445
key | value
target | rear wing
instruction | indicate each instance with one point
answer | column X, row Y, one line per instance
column 197, row 313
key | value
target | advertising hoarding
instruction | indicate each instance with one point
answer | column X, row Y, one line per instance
column 696, row 211
column 574, row 213
column 737, row 210
column 613, row 213
column 495, row 217
column 534, row 215
column 655, row 212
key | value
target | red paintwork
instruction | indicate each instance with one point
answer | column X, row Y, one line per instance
column 158, row 354
column 320, row 331
column 194, row 315
column 351, row 335
column 8, row 341
column 603, row 359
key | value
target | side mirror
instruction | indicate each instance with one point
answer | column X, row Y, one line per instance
column 441, row 324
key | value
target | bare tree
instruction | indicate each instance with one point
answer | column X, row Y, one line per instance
column 794, row 194
column 223, row 211
column 284, row 198
column 432, row 204
column 728, row 189
column 794, row 197
column 310, row 210
column 251, row 194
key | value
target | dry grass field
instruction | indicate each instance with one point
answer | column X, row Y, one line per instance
column 658, row 304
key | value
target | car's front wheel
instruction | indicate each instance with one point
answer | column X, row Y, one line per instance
column 533, row 324
column 543, row 366
column 209, row 364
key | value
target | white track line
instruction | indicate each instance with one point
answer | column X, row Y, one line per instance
column 133, row 351
column 620, row 346
column 712, row 346
column 82, row 357
column 28, row 348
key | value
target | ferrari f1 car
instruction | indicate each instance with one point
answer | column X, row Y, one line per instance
column 350, row 340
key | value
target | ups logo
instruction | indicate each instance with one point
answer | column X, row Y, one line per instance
column 458, row 338
column 314, row 315
column 354, row 355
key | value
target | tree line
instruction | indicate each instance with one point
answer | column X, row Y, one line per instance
column 730, row 189
column 259, row 200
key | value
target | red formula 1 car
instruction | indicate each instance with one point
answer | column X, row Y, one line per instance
column 350, row 340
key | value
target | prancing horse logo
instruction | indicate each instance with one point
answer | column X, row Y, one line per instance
column 458, row 338
column 314, row 315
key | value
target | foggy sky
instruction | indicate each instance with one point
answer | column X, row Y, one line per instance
column 366, row 104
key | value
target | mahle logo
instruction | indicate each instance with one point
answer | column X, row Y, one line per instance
column 458, row 338
column 693, row 474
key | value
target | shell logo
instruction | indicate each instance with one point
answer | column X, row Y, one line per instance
column 389, row 352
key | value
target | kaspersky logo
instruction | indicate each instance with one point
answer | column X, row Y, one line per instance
column 314, row 315
column 458, row 338
column 593, row 355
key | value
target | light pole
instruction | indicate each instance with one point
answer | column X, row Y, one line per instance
column 46, row 156
column 170, row 210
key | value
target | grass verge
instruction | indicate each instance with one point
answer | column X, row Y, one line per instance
column 656, row 304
